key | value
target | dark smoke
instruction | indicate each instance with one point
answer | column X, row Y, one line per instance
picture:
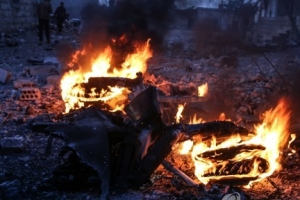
column 122, row 25
column 137, row 18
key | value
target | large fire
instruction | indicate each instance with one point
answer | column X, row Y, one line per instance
column 252, row 159
column 74, row 95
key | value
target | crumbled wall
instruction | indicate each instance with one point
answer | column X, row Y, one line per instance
column 17, row 14
column 272, row 30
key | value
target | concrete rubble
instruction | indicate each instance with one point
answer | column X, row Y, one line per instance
column 4, row 76
column 242, row 89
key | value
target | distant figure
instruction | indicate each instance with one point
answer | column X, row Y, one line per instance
column 60, row 14
column 44, row 10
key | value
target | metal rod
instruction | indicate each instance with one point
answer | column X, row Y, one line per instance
column 175, row 170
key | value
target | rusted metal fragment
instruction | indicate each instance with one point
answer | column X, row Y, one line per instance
column 144, row 107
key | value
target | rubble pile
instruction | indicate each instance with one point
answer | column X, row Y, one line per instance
column 241, row 87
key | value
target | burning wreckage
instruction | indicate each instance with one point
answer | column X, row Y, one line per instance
column 113, row 129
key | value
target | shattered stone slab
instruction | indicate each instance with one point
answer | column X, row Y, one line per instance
column 4, row 76
column 21, row 83
column 51, row 61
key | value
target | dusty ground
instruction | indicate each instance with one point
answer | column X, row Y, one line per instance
column 242, row 92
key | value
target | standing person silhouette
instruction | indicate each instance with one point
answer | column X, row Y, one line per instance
column 60, row 14
column 44, row 10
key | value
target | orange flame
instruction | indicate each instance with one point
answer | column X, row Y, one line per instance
column 255, row 158
column 185, row 147
column 74, row 96
column 196, row 120
column 179, row 112
column 293, row 138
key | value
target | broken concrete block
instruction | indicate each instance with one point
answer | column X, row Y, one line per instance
column 23, row 83
column 54, row 80
column 36, row 61
column 47, row 89
column 42, row 72
column 51, row 61
column 29, row 111
column 29, row 93
column 4, row 76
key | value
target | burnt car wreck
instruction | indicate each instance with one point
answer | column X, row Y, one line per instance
column 121, row 151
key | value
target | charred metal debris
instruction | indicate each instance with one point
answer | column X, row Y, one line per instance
column 116, row 150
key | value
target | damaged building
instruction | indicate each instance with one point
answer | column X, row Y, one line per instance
column 151, row 99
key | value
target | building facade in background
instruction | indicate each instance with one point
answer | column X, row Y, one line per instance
column 17, row 14
column 22, row 14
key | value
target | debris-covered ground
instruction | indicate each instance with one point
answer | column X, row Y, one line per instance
column 242, row 86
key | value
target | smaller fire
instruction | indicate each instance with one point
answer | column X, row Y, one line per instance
column 235, row 158
column 203, row 90
column 196, row 120
column 293, row 137
column 179, row 112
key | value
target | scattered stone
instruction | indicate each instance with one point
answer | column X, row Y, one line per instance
column 15, row 94
column 47, row 89
column 10, row 189
column 29, row 111
column 156, row 194
column 24, row 83
column 4, row 76
column 51, row 61
column 12, row 145
column 188, row 69
column 36, row 61
column 41, row 72
column 22, row 40
column 54, row 80
column 230, row 61
column 127, row 196
column 243, row 109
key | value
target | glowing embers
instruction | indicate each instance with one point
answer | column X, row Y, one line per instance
column 242, row 159
column 76, row 95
